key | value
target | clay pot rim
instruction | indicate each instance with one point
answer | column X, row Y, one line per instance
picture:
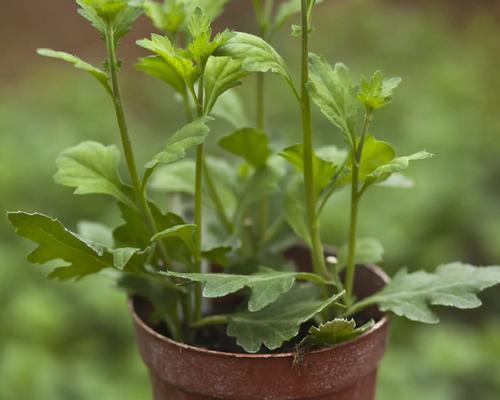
column 138, row 320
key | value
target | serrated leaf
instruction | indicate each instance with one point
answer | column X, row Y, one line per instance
column 248, row 143
column 123, row 21
column 90, row 14
column 334, row 332
column 184, row 232
column 376, row 92
column 255, row 53
column 266, row 285
column 92, row 168
column 221, row 74
column 453, row 285
column 156, row 67
column 279, row 321
column 97, row 73
column 191, row 135
column 323, row 170
column 333, row 92
column 55, row 242
column 230, row 108
column 396, row 165
column 368, row 251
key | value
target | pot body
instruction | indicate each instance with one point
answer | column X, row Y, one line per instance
column 347, row 371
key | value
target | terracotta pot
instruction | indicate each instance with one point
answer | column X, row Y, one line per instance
column 347, row 371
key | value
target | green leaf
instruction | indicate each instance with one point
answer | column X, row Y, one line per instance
column 368, row 251
column 396, row 165
column 218, row 255
column 185, row 232
column 333, row 92
column 375, row 154
column 266, row 285
column 97, row 73
column 230, row 108
column 189, row 136
column 286, row 10
column 323, row 170
column 163, row 47
column 279, row 321
column 263, row 183
column 248, row 143
column 130, row 258
column 55, row 242
column 376, row 92
column 178, row 177
column 168, row 17
column 124, row 20
column 452, row 285
column 92, row 168
column 255, row 53
column 90, row 14
column 156, row 67
column 212, row 8
column 334, row 332
column 96, row 232
column 295, row 209
column 221, row 74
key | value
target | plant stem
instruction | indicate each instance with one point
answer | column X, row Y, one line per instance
column 357, row 152
column 140, row 194
column 319, row 265
column 211, row 320
column 219, row 207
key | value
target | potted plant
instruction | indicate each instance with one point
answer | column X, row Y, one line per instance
column 302, row 321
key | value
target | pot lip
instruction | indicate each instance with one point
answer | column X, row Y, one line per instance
column 202, row 351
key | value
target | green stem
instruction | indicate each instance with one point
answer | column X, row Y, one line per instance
column 211, row 320
column 355, row 198
column 319, row 265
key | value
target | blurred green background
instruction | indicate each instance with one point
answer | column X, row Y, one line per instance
column 74, row 341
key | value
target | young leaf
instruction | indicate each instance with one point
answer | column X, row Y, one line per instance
column 230, row 108
column 248, row 143
column 266, row 285
column 185, row 232
column 279, row 321
column 375, row 154
column 398, row 164
column 255, row 53
column 323, row 170
column 55, row 242
column 212, row 8
column 452, row 285
column 167, row 17
column 92, row 168
column 90, row 14
column 163, row 47
column 97, row 73
column 368, row 251
column 124, row 20
column 221, row 74
column 156, row 67
column 334, row 332
column 376, row 92
column 175, row 149
column 333, row 92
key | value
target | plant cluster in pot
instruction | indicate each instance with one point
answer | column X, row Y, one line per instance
column 301, row 322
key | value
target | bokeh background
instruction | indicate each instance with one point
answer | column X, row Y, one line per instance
column 74, row 341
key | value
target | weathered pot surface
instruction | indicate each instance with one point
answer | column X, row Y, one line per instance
column 347, row 371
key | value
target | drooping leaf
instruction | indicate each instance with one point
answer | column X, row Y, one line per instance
column 333, row 92
column 398, row 164
column 55, row 242
column 92, row 168
column 266, row 286
column 376, row 92
column 97, row 73
column 248, row 143
column 230, row 108
column 255, row 53
column 368, row 251
column 334, row 332
column 184, row 232
column 191, row 135
column 279, row 321
column 295, row 208
column 157, row 67
column 96, row 232
column 221, row 74
column 453, row 285
column 323, row 170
